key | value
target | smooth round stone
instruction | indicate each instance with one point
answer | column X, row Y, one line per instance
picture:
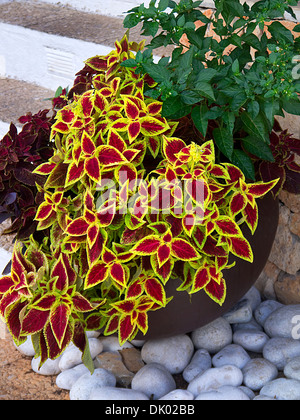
column 112, row 344
column 281, row 322
column 173, row 353
column 292, row 369
column 73, row 356
column 280, row 351
column 263, row 398
column 26, row 348
column 92, row 334
column 214, row 378
column 83, row 387
column 224, row 393
column 116, row 394
column 231, row 355
column 251, row 340
column 214, row 336
column 67, row 378
column 258, row 372
column 251, row 325
column 200, row 362
column 178, row 395
column 50, row 367
column 264, row 310
column 241, row 312
column 254, row 298
column 153, row 380
column 282, row 389
column 247, row 391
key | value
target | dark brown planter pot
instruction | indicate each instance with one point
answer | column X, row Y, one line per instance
column 186, row 313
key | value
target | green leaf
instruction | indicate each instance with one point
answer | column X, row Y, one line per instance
column 150, row 28
column 255, row 126
column 131, row 62
column 171, row 106
column 257, row 148
column 291, row 106
column 244, row 162
column 281, row 33
column 206, row 75
column 199, row 118
column 190, row 97
column 162, row 5
column 205, row 90
column 131, row 20
column 224, row 140
column 158, row 73
column 236, row 67
column 87, row 358
column 297, row 28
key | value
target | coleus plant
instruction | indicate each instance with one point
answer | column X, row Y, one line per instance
column 285, row 166
column 20, row 154
column 127, row 207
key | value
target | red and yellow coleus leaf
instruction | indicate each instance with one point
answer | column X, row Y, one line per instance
column 59, row 319
column 260, row 189
column 240, row 247
column 155, row 291
column 96, row 274
column 109, row 156
column 171, row 147
column 183, row 250
column 216, row 291
column 147, row 246
column 226, row 226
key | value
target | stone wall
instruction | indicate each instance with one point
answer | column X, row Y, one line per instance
column 280, row 278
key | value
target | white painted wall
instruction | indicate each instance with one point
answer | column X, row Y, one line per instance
column 47, row 60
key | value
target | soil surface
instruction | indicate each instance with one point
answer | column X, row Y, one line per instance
column 19, row 382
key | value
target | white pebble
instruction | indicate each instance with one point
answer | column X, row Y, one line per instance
column 241, row 312
column 214, row 336
column 50, row 367
column 280, row 351
column 233, row 354
column 173, row 353
column 26, row 348
column 282, row 389
column 224, row 393
column 67, row 378
column 153, row 380
column 215, row 378
column 292, row 369
column 258, row 372
column 280, row 322
column 264, row 310
column 178, row 395
column 251, row 325
column 108, row 393
column 254, row 297
column 73, row 356
column 83, row 387
column 251, row 340
column 112, row 344
column 200, row 362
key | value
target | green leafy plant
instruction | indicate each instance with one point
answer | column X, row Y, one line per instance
column 127, row 207
column 227, row 81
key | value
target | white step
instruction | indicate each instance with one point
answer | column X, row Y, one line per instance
column 103, row 7
column 45, row 59
column 48, row 45
column 4, row 127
